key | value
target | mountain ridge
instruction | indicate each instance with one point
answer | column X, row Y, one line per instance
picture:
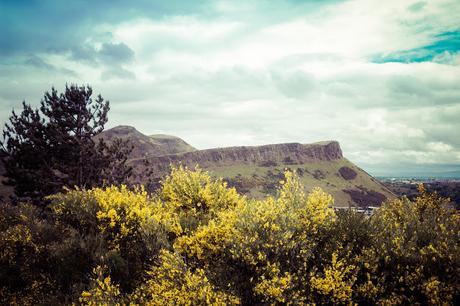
column 287, row 152
column 254, row 170
column 257, row 170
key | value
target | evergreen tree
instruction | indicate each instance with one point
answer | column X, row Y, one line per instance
column 51, row 147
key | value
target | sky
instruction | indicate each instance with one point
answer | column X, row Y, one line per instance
column 380, row 77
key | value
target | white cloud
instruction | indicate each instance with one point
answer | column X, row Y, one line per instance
column 233, row 81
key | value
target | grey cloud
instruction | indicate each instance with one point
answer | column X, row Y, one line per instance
column 109, row 54
column 111, row 57
column 417, row 130
column 117, row 73
column 39, row 63
column 372, row 90
column 408, row 86
column 84, row 53
column 116, row 53
column 411, row 90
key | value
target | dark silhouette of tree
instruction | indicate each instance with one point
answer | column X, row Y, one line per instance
column 53, row 146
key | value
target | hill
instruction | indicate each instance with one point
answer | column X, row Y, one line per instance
column 253, row 170
column 257, row 170
column 144, row 146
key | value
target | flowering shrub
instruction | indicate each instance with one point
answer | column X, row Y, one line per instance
column 335, row 283
column 195, row 197
column 102, row 292
column 173, row 282
column 198, row 242
column 263, row 248
column 414, row 255
column 129, row 226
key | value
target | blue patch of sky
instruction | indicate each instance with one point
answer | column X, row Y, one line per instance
column 444, row 42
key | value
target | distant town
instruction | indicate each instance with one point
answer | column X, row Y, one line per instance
column 445, row 186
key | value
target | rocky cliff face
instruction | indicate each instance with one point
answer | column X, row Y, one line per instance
column 288, row 153
column 253, row 170
column 256, row 171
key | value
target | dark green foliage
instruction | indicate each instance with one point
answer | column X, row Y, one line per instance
column 41, row 261
column 51, row 147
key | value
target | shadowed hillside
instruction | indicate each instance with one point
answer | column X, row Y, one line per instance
column 154, row 145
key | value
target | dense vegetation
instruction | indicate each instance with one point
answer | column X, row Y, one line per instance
column 46, row 148
column 448, row 189
column 199, row 242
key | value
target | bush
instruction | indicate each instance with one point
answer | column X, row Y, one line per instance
column 130, row 227
column 195, row 198
column 413, row 257
column 41, row 261
column 199, row 242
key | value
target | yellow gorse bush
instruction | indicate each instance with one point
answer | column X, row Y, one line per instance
column 119, row 211
column 195, row 197
column 415, row 251
column 335, row 282
column 103, row 292
column 132, row 211
column 172, row 282
column 267, row 236
column 198, row 242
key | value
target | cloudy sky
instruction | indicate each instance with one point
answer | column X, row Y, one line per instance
column 381, row 77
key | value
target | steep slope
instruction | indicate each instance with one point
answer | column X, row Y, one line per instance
column 172, row 144
column 256, row 171
column 155, row 145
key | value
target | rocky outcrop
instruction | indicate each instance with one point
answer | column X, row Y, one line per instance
column 296, row 153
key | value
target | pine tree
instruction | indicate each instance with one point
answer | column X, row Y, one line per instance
column 51, row 147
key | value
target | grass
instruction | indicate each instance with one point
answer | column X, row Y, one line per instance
column 327, row 177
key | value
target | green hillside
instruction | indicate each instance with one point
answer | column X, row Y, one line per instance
column 259, row 181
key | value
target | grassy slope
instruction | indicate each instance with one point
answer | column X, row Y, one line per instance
column 172, row 143
column 328, row 179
